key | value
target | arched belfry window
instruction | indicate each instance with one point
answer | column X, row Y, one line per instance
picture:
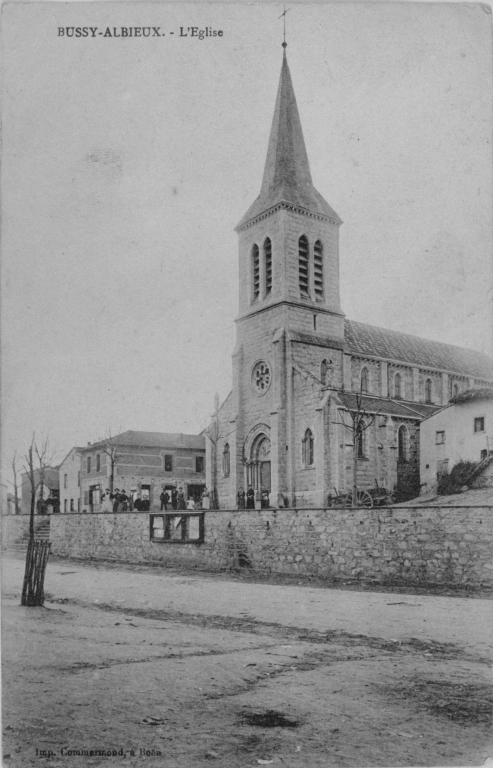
column 318, row 270
column 402, row 443
column 398, row 386
column 428, row 391
column 364, row 380
column 255, row 272
column 268, row 265
column 303, row 265
column 226, row 460
column 307, row 449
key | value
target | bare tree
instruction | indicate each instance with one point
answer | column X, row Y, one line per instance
column 214, row 433
column 14, row 483
column 360, row 419
column 111, row 446
column 38, row 459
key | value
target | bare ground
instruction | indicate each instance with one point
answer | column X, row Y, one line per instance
column 202, row 671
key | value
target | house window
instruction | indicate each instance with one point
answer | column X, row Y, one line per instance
column 168, row 463
column 199, row 464
column 177, row 529
column 65, row 480
column 364, row 380
column 303, row 265
column 440, row 438
column 484, row 454
column 65, row 502
column 479, row 424
column 402, row 443
column 428, row 391
column 268, row 265
column 226, row 460
column 72, row 508
column 398, row 386
column 307, row 449
column 98, row 462
column 88, row 465
column 256, row 271
column 318, row 270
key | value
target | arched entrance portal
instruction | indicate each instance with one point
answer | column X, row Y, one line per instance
column 258, row 468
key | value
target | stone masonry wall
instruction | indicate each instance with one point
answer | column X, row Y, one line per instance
column 409, row 544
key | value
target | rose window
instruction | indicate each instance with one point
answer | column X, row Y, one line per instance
column 261, row 377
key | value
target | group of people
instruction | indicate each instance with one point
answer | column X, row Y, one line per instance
column 119, row 501
column 177, row 500
column 247, row 500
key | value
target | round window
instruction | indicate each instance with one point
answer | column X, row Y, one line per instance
column 261, row 377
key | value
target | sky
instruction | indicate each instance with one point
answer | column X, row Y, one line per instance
column 127, row 164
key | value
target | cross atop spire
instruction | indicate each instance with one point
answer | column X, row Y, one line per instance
column 283, row 17
column 287, row 176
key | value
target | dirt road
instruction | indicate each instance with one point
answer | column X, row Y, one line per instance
column 188, row 670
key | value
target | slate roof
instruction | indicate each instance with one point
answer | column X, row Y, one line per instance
column 366, row 339
column 481, row 393
column 154, row 440
column 387, row 407
column 287, row 176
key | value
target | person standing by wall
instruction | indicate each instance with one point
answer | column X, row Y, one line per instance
column 174, row 498
column 181, row 499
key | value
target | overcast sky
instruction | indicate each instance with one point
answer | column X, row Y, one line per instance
column 128, row 162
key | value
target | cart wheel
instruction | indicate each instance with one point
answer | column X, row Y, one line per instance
column 364, row 499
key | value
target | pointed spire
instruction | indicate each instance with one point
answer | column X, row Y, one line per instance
column 287, row 174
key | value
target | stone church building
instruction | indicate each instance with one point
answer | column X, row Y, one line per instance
column 300, row 367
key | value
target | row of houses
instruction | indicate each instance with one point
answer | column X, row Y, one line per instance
column 143, row 464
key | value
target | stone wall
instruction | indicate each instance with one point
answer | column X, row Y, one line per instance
column 407, row 544
column 14, row 526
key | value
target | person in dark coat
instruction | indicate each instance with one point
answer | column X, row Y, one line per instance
column 264, row 499
column 174, row 498
column 250, row 498
column 241, row 498
column 123, row 501
column 116, row 499
column 164, row 498
column 181, row 503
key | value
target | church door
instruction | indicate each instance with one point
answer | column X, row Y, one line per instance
column 265, row 476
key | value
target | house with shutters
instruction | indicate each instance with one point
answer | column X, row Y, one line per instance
column 70, row 487
column 142, row 463
column 301, row 368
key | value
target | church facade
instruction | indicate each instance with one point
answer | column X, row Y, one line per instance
column 301, row 369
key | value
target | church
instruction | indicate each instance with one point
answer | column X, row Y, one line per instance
column 302, row 371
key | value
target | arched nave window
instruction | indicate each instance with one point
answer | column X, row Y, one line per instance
column 428, row 391
column 398, row 386
column 402, row 443
column 307, row 449
column 364, row 379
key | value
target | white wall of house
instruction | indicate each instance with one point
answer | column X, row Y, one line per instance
column 70, row 482
column 453, row 435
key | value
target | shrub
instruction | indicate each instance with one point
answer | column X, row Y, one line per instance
column 452, row 482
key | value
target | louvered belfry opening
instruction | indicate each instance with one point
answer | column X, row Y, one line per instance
column 256, row 271
column 303, row 265
column 318, row 270
column 268, row 265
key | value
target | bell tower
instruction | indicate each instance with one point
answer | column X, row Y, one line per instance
column 289, row 313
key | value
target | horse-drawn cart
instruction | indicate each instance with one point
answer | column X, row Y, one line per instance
column 370, row 497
